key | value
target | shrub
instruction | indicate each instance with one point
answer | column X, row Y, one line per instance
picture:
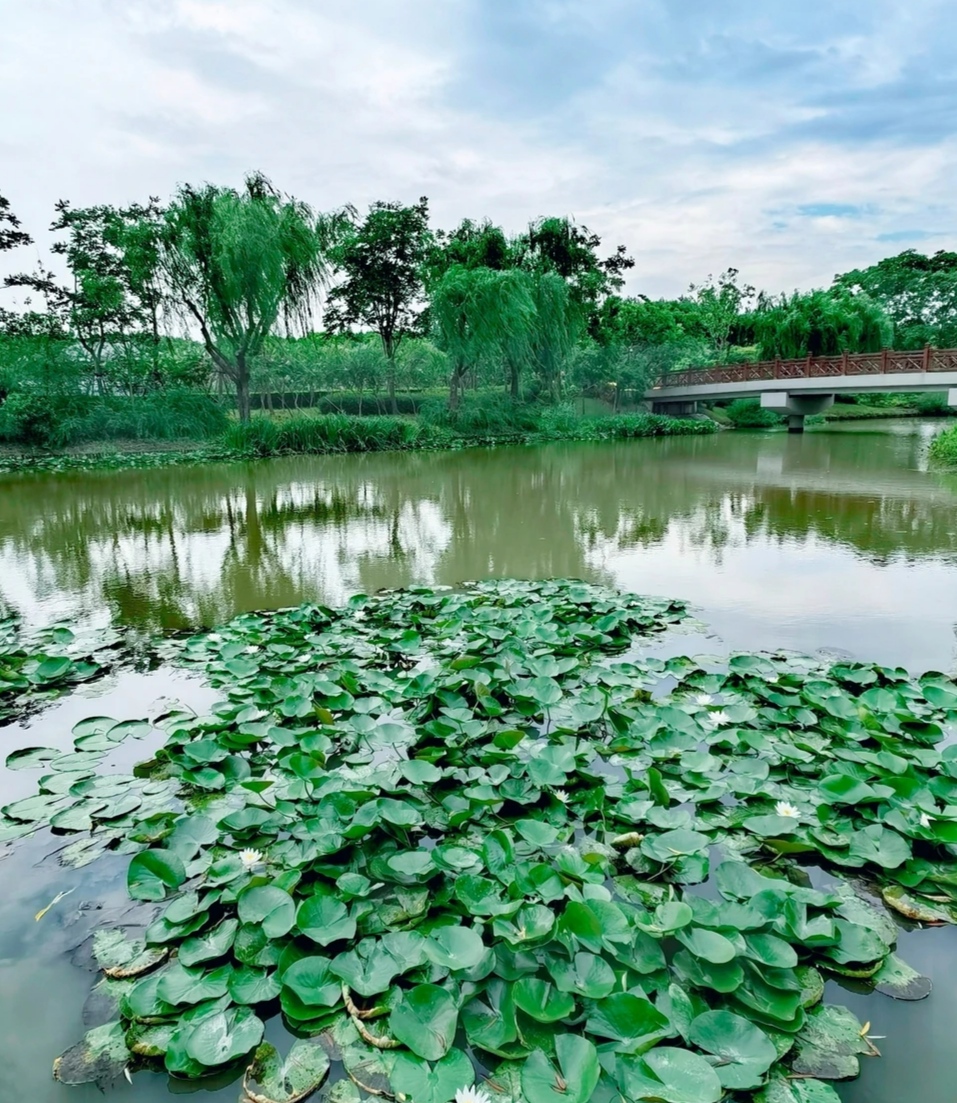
column 633, row 426
column 341, row 433
column 932, row 405
column 327, row 433
column 35, row 419
column 943, row 449
column 161, row 416
column 257, row 437
column 748, row 413
column 59, row 420
column 484, row 416
column 560, row 421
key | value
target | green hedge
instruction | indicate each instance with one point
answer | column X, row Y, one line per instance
column 356, row 405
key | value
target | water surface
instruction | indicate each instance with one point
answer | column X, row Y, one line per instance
column 839, row 540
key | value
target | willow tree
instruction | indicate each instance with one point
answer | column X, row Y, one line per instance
column 237, row 263
column 481, row 313
column 556, row 324
column 821, row 323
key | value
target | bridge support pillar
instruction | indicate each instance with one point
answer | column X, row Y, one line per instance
column 675, row 407
column 796, row 407
column 952, row 397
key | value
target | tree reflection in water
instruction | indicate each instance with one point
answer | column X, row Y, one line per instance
column 171, row 548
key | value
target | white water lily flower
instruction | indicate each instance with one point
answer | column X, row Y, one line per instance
column 252, row 649
column 561, row 795
column 784, row 808
column 703, row 699
column 924, row 820
column 251, row 858
column 214, row 637
column 472, row 1095
column 718, row 718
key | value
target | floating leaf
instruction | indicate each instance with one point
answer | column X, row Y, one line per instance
column 744, row 1052
column 425, row 1020
column 431, row 1083
column 221, row 1038
column 829, row 1045
column 896, row 978
column 99, row 1059
column 270, row 1079
column 154, row 873
column 575, row 1079
column 269, row 906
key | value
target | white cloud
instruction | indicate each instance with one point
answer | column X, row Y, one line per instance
column 688, row 156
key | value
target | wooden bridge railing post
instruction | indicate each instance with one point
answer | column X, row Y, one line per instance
column 884, row 361
column 777, row 369
column 925, row 366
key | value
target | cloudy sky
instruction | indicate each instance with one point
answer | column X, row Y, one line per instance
column 790, row 138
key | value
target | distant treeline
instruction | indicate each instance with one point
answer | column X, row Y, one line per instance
column 238, row 294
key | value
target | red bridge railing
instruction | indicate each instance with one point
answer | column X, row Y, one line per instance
column 886, row 362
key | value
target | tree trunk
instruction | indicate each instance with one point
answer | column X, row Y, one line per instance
column 393, row 405
column 458, row 375
column 242, row 387
column 513, row 372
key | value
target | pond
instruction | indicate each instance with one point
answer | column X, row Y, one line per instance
column 838, row 542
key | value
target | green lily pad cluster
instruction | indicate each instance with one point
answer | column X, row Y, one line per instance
column 45, row 665
column 477, row 837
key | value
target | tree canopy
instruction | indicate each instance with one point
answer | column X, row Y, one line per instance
column 918, row 293
column 382, row 261
column 237, row 263
column 821, row 323
column 11, row 234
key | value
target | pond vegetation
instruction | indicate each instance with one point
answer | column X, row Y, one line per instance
column 482, row 844
column 943, row 449
column 338, row 434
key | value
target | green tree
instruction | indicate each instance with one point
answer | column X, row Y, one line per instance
column 917, row 292
column 480, row 313
column 135, row 233
column 112, row 299
column 382, row 259
column 561, row 246
column 718, row 304
column 821, row 323
column 553, row 331
column 239, row 261
column 91, row 305
column 11, row 235
column 471, row 245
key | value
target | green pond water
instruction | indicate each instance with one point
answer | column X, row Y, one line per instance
column 838, row 542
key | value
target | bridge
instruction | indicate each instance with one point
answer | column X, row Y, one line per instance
column 797, row 388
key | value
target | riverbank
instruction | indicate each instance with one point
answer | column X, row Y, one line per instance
column 332, row 434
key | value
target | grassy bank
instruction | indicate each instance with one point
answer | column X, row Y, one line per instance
column 943, row 449
column 336, row 434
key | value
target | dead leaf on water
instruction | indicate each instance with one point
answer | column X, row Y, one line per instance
column 56, row 900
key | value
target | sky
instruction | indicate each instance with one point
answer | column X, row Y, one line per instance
column 791, row 140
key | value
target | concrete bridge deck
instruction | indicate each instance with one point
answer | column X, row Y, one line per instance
column 797, row 388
